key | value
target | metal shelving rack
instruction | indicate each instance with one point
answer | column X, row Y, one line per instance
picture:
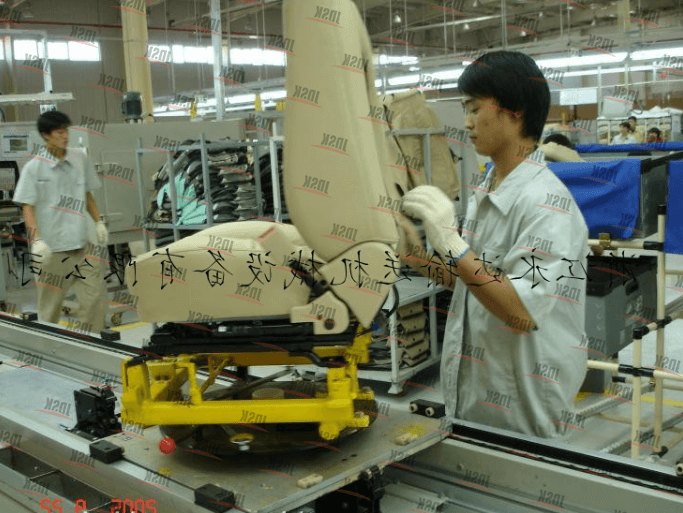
column 409, row 293
column 204, row 147
column 397, row 376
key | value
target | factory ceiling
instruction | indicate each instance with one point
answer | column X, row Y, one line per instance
column 429, row 28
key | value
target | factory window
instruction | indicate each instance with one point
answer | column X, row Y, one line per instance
column 178, row 52
column 57, row 51
column 83, row 51
column 160, row 54
column 238, row 56
column 197, row 54
column 30, row 49
column 257, row 57
column 208, row 55
column 25, row 49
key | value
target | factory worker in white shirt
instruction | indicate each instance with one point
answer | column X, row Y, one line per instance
column 512, row 355
column 68, row 239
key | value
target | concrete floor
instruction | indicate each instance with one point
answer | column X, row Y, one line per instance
column 598, row 431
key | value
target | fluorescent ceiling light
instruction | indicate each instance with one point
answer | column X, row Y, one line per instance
column 274, row 95
column 448, row 75
column 396, row 91
column 453, row 85
column 646, row 55
column 452, row 74
column 403, row 80
column 400, row 59
column 606, row 71
column 211, row 102
column 243, row 98
column 243, row 108
column 585, row 60
column 176, row 114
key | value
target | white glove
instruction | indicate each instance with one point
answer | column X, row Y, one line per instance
column 40, row 248
column 102, row 234
column 437, row 213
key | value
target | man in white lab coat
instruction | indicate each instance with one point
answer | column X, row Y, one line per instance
column 512, row 355
column 63, row 225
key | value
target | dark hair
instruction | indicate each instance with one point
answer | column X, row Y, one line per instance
column 515, row 82
column 633, row 118
column 625, row 123
column 52, row 120
column 559, row 139
column 655, row 130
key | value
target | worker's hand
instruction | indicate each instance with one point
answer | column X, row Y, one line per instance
column 411, row 250
column 437, row 213
column 102, row 234
column 41, row 249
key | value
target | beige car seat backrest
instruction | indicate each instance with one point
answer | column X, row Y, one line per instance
column 335, row 150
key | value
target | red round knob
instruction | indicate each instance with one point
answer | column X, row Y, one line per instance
column 167, row 446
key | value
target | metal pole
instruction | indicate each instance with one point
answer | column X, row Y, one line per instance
column 405, row 21
column 600, row 98
column 427, row 148
column 217, row 43
column 207, row 181
column 445, row 34
column 47, row 76
column 141, row 193
column 391, row 27
column 637, row 395
column 393, row 331
column 503, row 20
column 228, row 40
column 661, row 312
column 665, row 375
column 173, row 196
column 275, row 177
column 616, row 244
column 257, row 181
column 433, row 343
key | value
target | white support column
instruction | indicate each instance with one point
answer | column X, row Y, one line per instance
column 217, row 43
column 637, row 396
column 661, row 312
column 9, row 83
column 138, row 72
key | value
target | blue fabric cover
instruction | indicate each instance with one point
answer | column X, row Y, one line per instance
column 674, row 210
column 620, row 148
column 607, row 193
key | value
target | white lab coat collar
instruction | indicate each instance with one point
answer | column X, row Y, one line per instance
column 521, row 176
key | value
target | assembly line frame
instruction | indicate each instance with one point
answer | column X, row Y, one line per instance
column 665, row 315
